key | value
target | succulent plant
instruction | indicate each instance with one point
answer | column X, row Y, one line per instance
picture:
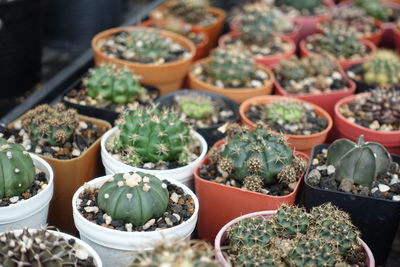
column 195, row 106
column 194, row 253
column 133, row 197
column 17, row 169
column 291, row 220
column 383, row 69
column 111, row 83
column 361, row 162
column 288, row 111
column 306, row 4
column 375, row 9
column 51, row 125
column 191, row 11
column 150, row 135
column 39, row 248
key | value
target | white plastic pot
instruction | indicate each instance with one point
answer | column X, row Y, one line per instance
column 80, row 243
column 32, row 212
column 182, row 174
column 117, row 248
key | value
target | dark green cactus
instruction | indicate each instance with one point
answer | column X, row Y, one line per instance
column 115, row 84
column 134, row 197
column 151, row 135
column 195, row 106
column 375, row 9
column 291, row 220
column 383, row 69
column 191, row 11
column 17, row 169
column 361, row 162
column 256, row 256
column 288, row 111
column 304, row 4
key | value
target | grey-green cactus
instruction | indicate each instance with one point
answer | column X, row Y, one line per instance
column 383, row 69
column 191, row 11
column 195, row 106
column 288, row 111
column 291, row 220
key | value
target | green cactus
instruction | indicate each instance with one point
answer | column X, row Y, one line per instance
column 288, row 111
column 304, row 4
column 361, row 162
column 17, row 169
column 375, row 9
column 150, row 135
column 111, row 83
column 133, row 197
column 196, row 106
column 190, row 11
column 383, row 70
column 257, row 256
column 291, row 220
column 51, row 126
column 232, row 65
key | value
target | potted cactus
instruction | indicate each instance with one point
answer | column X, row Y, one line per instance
column 69, row 142
column 316, row 79
column 346, row 48
column 356, row 176
column 108, row 90
column 26, row 187
column 245, row 172
column 153, row 141
column 161, row 58
column 231, row 71
column 43, row 247
column 134, row 211
column 293, row 237
column 257, row 30
column 205, row 111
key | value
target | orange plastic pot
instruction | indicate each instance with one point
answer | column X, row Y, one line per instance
column 221, row 203
column 344, row 63
column 71, row 174
column 350, row 130
column 302, row 143
column 266, row 60
column 236, row 94
column 167, row 77
column 200, row 48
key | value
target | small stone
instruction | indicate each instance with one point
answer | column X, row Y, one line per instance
column 261, row 74
column 374, row 125
column 76, row 152
column 314, row 177
column 346, row 185
column 315, row 162
column 177, row 216
column 256, row 83
column 373, row 190
column 322, row 167
column 83, row 125
column 395, row 179
column 169, row 222
column 292, row 185
column 148, row 224
column 81, row 253
column 92, row 209
column 396, row 198
column 17, row 125
column 107, row 218
column 38, row 150
column 129, row 227
column 330, row 170
column 219, row 84
column 174, row 197
column 14, row 199
column 364, row 191
column 383, row 188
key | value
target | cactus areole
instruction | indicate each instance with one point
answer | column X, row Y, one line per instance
column 361, row 161
column 17, row 169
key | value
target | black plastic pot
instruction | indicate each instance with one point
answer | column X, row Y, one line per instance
column 20, row 46
column 211, row 134
column 376, row 218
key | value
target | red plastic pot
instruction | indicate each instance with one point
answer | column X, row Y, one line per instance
column 267, row 60
column 350, row 130
column 344, row 63
column 221, row 203
column 221, row 238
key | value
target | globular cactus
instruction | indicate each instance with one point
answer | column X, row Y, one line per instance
column 51, row 126
column 257, row 256
column 291, row 220
column 304, row 4
column 232, row 65
column 195, row 106
column 17, row 169
column 383, row 69
column 39, row 248
column 111, row 83
column 133, row 197
column 375, row 9
column 288, row 111
column 362, row 162
column 190, row 11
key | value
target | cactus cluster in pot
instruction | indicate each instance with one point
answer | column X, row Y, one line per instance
column 196, row 106
column 375, row 9
column 302, row 8
column 190, row 11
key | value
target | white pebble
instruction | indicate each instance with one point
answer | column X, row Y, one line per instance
column 396, row 198
column 81, row 254
column 92, row 209
column 395, row 179
column 83, row 125
column 148, row 224
column 373, row 190
column 177, row 216
column 331, row 169
column 108, row 219
column 18, row 125
column 76, row 152
column 164, row 186
column 174, row 197
column 256, row 83
column 38, row 150
column 383, row 188
column 169, row 222
column 14, row 199
column 129, row 227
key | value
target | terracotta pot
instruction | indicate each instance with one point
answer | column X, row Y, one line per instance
column 238, row 95
column 200, row 48
column 350, row 130
column 266, row 60
column 302, row 143
column 221, row 238
column 345, row 63
column 221, row 203
column 167, row 77
column 396, row 35
column 70, row 175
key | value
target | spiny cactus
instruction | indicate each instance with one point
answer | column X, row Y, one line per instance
column 111, row 83
column 375, row 9
column 195, row 106
column 51, row 126
column 38, row 248
column 232, row 65
column 150, row 135
column 361, row 162
column 191, row 11
column 194, row 253
column 133, row 197
column 288, row 111
column 17, row 169
column 383, row 69
column 256, row 256
column 305, row 4
column 291, row 220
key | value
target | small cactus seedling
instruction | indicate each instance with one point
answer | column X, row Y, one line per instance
column 305, row 4
column 134, row 197
column 362, row 162
column 288, row 111
column 17, row 169
column 190, row 11
column 115, row 84
column 196, row 106
column 51, row 126
column 383, row 69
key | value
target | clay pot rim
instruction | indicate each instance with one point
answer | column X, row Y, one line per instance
column 175, row 37
column 246, row 104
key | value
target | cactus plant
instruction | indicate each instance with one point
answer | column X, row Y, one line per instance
column 375, row 9
column 361, row 162
column 111, row 83
column 306, row 4
column 133, row 197
column 291, row 220
column 288, row 111
column 190, row 11
column 196, row 106
column 383, row 69
column 17, row 169
column 51, row 126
